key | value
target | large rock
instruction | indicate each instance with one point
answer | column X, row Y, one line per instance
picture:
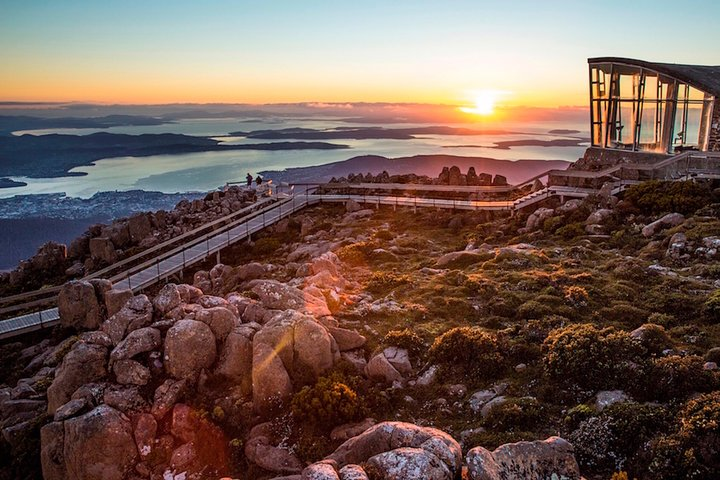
column 116, row 299
column 291, row 347
column 347, row 339
column 221, row 320
column 102, row 249
column 393, row 447
column 189, row 347
column 85, row 363
column 667, row 221
column 279, row 296
column 271, row 383
column 538, row 460
column 99, row 445
column 536, row 219
column 167, row 299
column 409, row 464
column 131, row 372
column 135, row 314
column 599, row 217
column 140, row 227
column 379, row 368
column 138, row 341
column 166, row 396
column 236, row 358
column 78, row 306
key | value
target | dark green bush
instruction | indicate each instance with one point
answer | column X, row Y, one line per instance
column 693, row 451
column 406, row 339
column 711, row 307
column 571, row 230
column 677, row 377
column 656, row 197
column 583, row 355
column 327, row 403
column 382, row 282
column 615, row 438
column 532, row 310
column 517, row 414
column 470, row 351
column 654, row 339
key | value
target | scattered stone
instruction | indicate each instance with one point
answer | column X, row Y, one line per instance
column 667, row 221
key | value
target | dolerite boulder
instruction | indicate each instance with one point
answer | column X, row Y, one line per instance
column 167, row 299
column 189, row 348
column 667, row 221
column 102, row 249
column 138, row 341
column 85, row 363
column 139, row 227
column 292, row 347
column 136, row 313
column 275, row 295
column 98, row 445
column 236, row 357
column 221, row 320
column 78, row 306
column 538, row 460
column 398, row 451
column 116, row 299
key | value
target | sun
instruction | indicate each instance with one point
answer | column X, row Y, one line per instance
column 484, row 102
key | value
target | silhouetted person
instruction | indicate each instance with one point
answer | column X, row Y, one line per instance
column 249, row 179
column 258, row 180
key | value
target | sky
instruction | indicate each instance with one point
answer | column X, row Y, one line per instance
column 528, row 52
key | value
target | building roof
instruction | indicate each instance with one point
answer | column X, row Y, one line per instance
column 702, row 77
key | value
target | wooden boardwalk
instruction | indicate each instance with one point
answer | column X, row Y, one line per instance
column 164, row 266
column 242, row 224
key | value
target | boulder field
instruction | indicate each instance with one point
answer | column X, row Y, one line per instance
column 124, row 395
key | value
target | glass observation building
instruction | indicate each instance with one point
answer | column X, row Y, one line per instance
column 660, row 108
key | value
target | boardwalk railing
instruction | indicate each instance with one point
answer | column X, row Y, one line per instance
column 240, row 225
column 48, row 295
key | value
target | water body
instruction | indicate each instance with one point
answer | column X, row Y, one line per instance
column 208, row 170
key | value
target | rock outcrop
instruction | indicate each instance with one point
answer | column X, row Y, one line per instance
column 539, row 460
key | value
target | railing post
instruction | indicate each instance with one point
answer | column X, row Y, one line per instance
column 128, row 280
column 157, row 266
column 183, row 255
column 41, row 320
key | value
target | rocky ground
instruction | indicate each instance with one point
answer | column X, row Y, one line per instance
column 359, row 343
column 104, row 244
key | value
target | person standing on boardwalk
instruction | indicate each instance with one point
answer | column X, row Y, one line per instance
column 258, row 180
column 248, row 177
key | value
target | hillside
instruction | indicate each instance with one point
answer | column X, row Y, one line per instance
column 347, row 342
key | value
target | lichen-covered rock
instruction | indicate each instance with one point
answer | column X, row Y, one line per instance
column 189, row 347
column 138, row 341
column 167, row 299
column 136, row 313
column 291, row 347
column 275, row 295
column 166, row 396
column 538, row 460
column 408, row 463
column 438, row 451
column 380, row 368
column 78, row 306
column 131, row 372
column 236, row 358
column 666, row 221
column 221, row 320
column 99, row 445
column 85, row 363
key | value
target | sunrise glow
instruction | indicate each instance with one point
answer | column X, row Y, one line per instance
column 484, row 102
